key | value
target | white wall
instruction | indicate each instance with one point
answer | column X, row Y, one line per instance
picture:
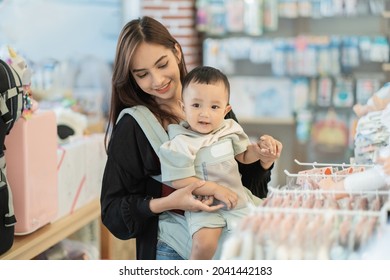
column 62, row 29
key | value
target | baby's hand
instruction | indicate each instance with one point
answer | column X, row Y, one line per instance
column 270, row 150
column 225, row 195
column 270, row 146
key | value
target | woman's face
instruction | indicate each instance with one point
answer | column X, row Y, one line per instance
column 156, row 71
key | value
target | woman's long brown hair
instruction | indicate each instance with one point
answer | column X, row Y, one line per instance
column 125, row 91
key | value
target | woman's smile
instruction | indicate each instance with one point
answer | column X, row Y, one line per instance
column 163, row 89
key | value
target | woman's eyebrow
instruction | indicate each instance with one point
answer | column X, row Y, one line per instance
column 143, row 69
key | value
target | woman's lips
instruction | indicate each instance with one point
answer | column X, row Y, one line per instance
column 164, row 89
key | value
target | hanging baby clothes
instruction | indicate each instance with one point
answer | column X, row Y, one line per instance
column 372, row 133
column 375, row 178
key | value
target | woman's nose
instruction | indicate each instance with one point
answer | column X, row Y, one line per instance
column 157, row 80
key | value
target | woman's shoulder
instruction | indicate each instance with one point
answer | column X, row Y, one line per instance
column 125, row 124
column 231, row 115
column 139, row 128
column 124, row 131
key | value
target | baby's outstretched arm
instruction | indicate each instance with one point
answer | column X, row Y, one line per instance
column 267, row 150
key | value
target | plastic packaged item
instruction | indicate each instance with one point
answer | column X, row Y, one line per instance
column 253, row 17
column 70, row 250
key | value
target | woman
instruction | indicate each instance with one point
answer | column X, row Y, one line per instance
column 148, row 69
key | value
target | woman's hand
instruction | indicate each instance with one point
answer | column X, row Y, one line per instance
column 184, row 199
column 206, row 199
column 270, row 150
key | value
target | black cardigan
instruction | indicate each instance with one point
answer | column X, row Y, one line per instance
column 127, row 186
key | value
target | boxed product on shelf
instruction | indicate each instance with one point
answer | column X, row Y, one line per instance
column 31, row 170
column 80, row 166
column 261, row 97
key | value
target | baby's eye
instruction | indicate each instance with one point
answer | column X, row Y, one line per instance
column 196, row 105
column 215, row 107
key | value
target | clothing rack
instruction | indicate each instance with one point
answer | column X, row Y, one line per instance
column 311, row 199
column 282, row 190
column 316, row 164
column 317, row 211
column 309, row 179
column 322, row 171
column 300, row 221
column 302, row 233
column 314, row 175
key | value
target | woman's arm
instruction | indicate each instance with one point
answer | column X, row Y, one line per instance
column 182, row 199
column 130, row 198
column 127, row 187
column 209, row 188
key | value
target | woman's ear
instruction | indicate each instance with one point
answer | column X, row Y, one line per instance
column 178, row 53
column 181, row 105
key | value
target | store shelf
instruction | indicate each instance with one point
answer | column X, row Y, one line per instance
column 28, row 246
column 386, row 67
column 386, row 14
column 266, row 121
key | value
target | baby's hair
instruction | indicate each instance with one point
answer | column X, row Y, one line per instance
column 206, row 75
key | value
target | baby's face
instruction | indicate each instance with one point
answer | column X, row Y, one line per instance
column 205, row 106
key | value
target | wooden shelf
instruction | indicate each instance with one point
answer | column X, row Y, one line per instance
column 28, row 246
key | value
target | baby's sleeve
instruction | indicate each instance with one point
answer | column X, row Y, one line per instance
column 175, row 164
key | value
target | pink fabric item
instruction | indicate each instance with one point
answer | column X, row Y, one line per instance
column 31, row 158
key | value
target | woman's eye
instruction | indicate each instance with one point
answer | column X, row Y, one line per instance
column 141, row 75
column 164, row 65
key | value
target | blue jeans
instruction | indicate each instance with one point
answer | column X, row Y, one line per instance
column 165, row 252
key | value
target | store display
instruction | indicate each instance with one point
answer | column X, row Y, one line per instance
column 330, row 132
column 334, row 57
column 303, row 70
column 80, row 165
column 340, row 49
column 261, row 97
column 55, row 78
column 298, row 221
column 253, row 17
column 70, row 124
